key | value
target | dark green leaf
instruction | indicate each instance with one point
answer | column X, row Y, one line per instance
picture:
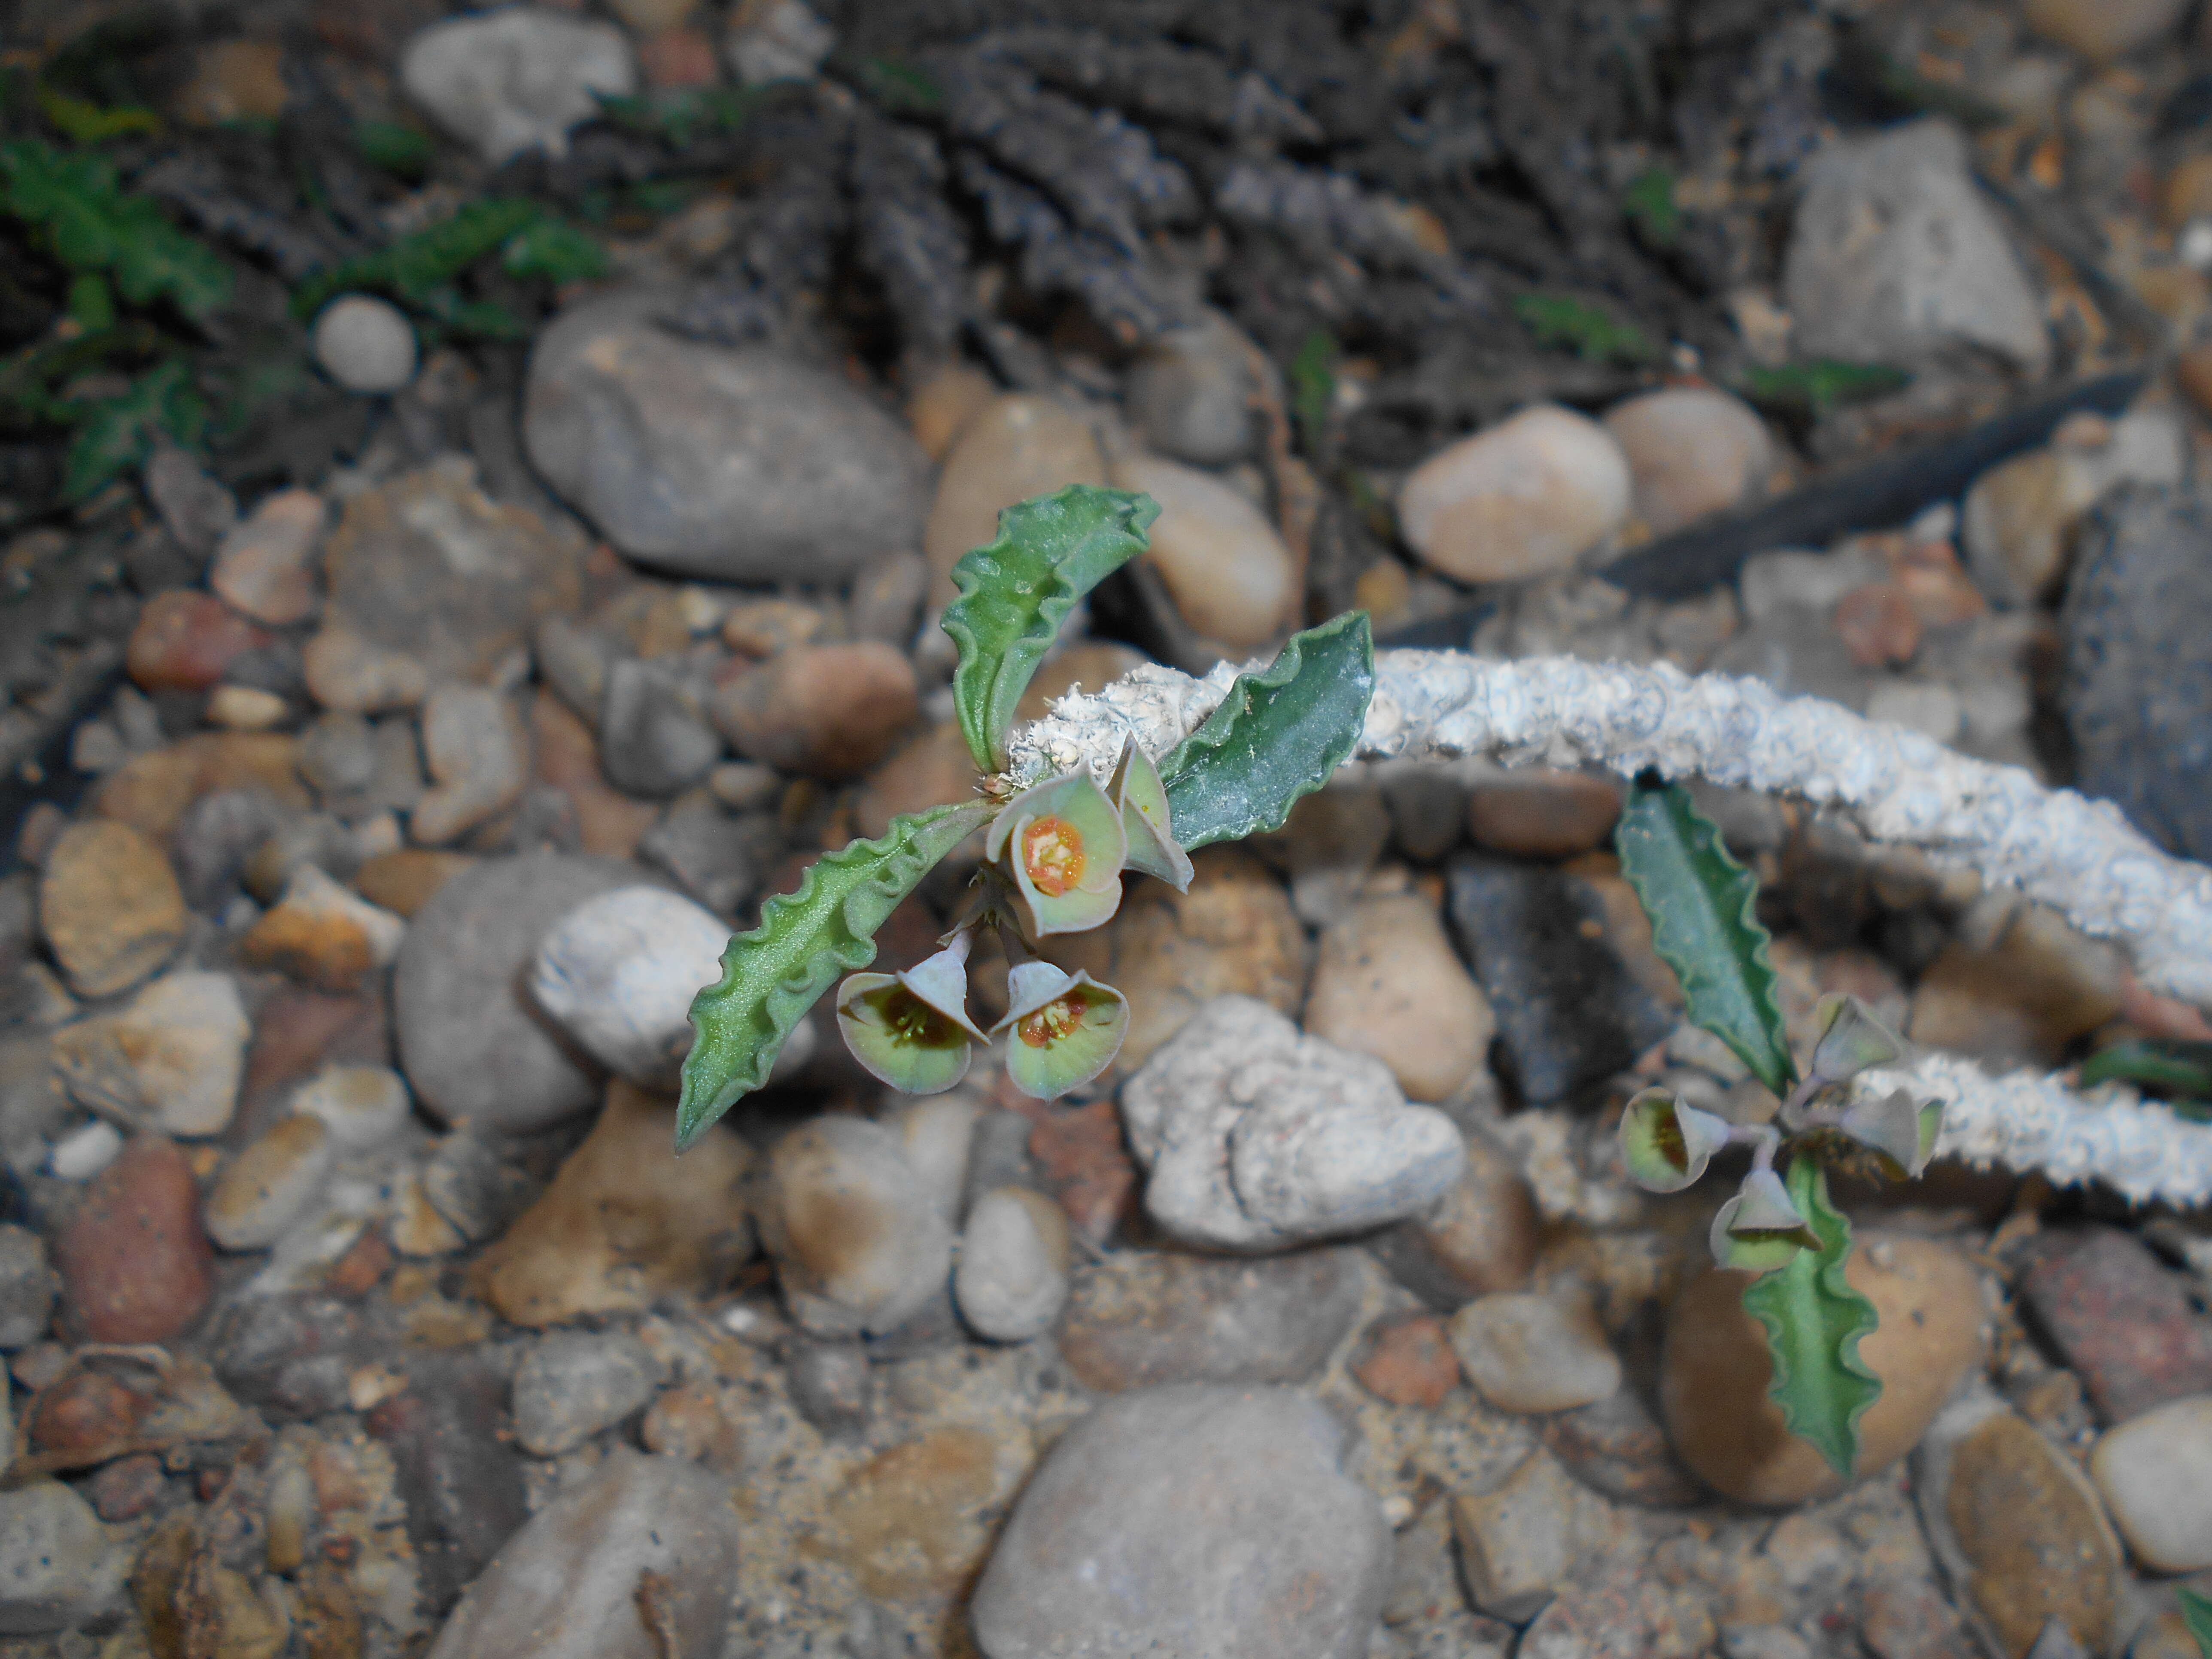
column 2166, row 1065
column 555, row 251
column 115, row 435
column 1702, row 904
column 1814, row 1321
column 404, row 152
column 1279, row 735
column 1590, row 331
column 90, row 223
column 1648, row 202
column 900, row 86
column 91, row 302
column 413, row 269
column 773, row 974
column 2196, row 1615
column 1016, row 592
column 1313, row 387
column 1809, row 391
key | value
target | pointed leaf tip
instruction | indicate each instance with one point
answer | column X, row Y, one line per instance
column 1701, row 903
column 1277, row 736
column 1016, row 592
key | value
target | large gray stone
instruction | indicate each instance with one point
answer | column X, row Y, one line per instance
column 642, row 1553
column 741, row 464
column 59, row 1565
column 1895, row 257
column 1192, row 1519
column 2138, row 676
column 470, row 1043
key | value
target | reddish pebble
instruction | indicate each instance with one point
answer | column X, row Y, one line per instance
column 677, row 59
column 1082, row 1160
column 1408, row 1362
column 362, row 1266
column 83, row 1413
column 127, row 1488
column 185, row 639
column 135, row 1265
column 1878, row 624
column 210, row 1482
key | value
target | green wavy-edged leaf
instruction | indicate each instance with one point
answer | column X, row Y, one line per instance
column 1016, row 592
column 1814, row 1323
column 1279, row 734
column 805, row 940
column 1701, row 902
column 2196, row 1615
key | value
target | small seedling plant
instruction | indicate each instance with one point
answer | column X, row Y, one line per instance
column 1055, row 851
column 1780, row 1225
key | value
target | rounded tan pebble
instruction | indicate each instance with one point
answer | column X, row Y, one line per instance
column 825, row 711
column 1387, row 982
column 929, row 770
column 1715, row 1372
column 944, row 402
column 110, row 906
column 1539, row 813
column 1527, row 497
column 1530, row 1352
column 1230, row 574
column 269, row 1185
column 1011, row 449
column 2155, row 1474
column 1691, row 451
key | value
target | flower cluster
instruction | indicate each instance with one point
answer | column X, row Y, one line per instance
column 1053, row 859
column 1666, row 1143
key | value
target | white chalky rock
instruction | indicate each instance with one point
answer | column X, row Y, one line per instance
column 619, row 972
column 170, row 1058
column 1257, row 1138
column 363, row 1106
column 365, row 344
column 1013, row 1279
column 517, row 79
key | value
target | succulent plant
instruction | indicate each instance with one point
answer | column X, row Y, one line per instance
column 1779, row 1226
column 1055, row 852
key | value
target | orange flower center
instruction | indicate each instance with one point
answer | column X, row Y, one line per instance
column 1051, row 855
column 1054, row 1021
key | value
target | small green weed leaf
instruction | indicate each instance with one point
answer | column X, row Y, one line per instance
column 1016, row 592
column 91, row 302
column 1649, row 204
column 114, row 434
column 1593, row 333
column 2161, row 1065
column 1814, row 1321
column 1313, row 387
column 393, row 147
column 83, row 122
column 2196, row 1615
column 413, row 269
column 1701, row 902
column 81, row 214
column 1809, row 390
column 899, row 86
column 1279, row 735
column 805, row 940
column 554, row 250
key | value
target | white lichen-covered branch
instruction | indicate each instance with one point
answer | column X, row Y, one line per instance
column 2078, row 856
